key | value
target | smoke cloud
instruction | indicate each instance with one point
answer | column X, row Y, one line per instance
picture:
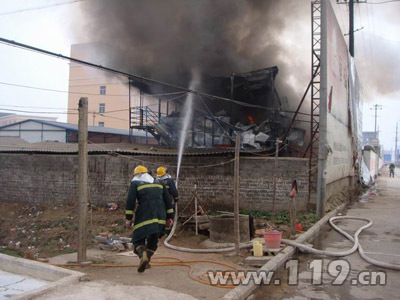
column 166, row 40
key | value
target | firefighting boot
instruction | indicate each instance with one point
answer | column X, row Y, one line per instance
column 149, row 255
column 144, row 261
column 141, row 252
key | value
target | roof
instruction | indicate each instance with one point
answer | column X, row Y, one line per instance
column 11, row 140
column 74, row 127
column 121, row 148
column 2, row 114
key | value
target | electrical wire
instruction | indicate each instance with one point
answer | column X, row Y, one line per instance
column 137, row 77
column 39, row 112
column 383, row 2
column 168, row 100
column 38, row 107
column 38, row 8
column 57, row 91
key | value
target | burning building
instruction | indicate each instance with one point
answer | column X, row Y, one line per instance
column 256, row 110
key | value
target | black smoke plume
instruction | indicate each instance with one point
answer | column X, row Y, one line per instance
column 166, row 40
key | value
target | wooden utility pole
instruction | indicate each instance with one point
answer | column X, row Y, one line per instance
column 351, row 27
column 376, row 107
column 195, row 210
column 275, row 179
column 236, row 195
column 292, row 196
column 395, row 145
column 82, row 177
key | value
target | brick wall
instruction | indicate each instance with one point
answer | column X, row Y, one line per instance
column 44, row 178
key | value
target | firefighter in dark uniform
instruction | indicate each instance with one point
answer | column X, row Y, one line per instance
column 154, row 211
column 167, row 180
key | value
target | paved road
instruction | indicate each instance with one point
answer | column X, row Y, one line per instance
column 381, row 241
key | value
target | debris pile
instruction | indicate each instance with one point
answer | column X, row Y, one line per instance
column 106, row 241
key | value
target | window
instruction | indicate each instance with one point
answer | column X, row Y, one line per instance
column 101, row 124
column 102, row 90
column 102, row 108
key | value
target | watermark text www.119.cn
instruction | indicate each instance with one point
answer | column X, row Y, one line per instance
column 338, row 272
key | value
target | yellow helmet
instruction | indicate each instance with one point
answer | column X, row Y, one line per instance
column 161, row 171
column 140, row 169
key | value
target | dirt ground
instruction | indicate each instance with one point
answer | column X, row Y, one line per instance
column 33, row 231
column 44, row 231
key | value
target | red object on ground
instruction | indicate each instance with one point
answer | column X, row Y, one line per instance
column 273, row 239
column 293, row 193
column 299, row 227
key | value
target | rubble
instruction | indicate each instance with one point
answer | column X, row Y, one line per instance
column 113, row 243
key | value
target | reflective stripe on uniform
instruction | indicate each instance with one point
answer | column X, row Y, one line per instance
column 147, row 222
column 150, row 185
column 129, row 212
column 167, row 186
column 170, row 211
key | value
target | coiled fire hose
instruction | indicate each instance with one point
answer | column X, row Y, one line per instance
column 354, row 239
column 305, row 248
column 190, row 250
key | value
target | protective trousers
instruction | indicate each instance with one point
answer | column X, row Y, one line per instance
column 148, row 244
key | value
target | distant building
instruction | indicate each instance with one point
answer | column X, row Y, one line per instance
column 35, row 131
column 387, row 157
column 108, row 93
column 370, row 138
column 9, row 118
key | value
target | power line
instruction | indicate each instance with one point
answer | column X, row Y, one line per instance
column 38, row 8
column 83, row 93
column 57, row 91
column 41, row 107
column 383, row 2
column 133, row 76
column 39, row 112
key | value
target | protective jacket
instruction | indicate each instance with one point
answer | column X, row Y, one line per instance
column 170, row 185
column 153, row 207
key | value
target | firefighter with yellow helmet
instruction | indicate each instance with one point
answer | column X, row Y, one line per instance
column 166, row 179
column 153, row 212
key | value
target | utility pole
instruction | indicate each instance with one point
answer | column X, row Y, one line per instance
column 82, row 177
column 323, row 114
column 395, row 146
column 236, row 195
column 376, row 107
column 351, row 22
column 130, row 110
column 275, row 177
column 351, row 27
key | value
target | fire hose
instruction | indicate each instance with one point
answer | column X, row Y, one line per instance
column 191, row 250
column 355, row 240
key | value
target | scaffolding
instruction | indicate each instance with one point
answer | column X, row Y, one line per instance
column 312, row 148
